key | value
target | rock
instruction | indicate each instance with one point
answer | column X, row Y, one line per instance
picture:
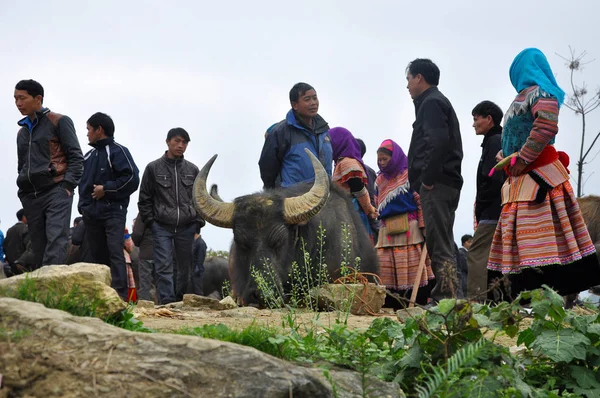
column 55, row 354
column 145, row 304
column 91, row 280
column 193, row 300
column 406, row 313
column 229, row 303
column 367, row 299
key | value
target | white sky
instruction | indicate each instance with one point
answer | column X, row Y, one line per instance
column 223, row 70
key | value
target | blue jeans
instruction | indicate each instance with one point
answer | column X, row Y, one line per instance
column 167, row 241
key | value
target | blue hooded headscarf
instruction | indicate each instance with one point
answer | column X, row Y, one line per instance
column 531, row 68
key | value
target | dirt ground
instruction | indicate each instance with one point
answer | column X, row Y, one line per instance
column 171, row 319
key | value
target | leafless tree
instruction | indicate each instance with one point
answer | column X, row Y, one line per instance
column 582, row 103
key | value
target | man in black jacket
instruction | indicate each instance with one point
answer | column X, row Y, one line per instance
column 16, row 243
column 50, row 164
column 166, row 205
column 434, row 170
column 487, row 117
column 109, row 178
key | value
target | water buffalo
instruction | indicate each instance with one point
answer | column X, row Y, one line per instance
column 270, row 226
column 216, row 272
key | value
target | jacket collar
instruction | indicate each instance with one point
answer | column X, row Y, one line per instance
column 419, row 100
column 492, row 132
column 103, row 142
column 30, row 124
column 318, row 121
column 169, row 160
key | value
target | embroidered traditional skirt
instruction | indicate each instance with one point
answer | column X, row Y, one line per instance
column 543, row 243
column 399, row 266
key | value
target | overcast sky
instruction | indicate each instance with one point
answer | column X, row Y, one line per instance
column 223, row 71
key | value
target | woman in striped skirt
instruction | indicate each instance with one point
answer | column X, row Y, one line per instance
column 401, row 238
column 541, row 237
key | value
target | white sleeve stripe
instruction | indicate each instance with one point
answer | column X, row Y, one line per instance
column 128, row 161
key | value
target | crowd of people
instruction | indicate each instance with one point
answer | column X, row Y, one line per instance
column 528, row 229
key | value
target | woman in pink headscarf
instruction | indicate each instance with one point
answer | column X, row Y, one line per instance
column 401, row 238
column 350, row 172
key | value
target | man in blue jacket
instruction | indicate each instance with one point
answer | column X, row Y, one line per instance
column 109, row 178
column 283, row 153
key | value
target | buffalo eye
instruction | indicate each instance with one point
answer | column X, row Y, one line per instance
column 277, row 236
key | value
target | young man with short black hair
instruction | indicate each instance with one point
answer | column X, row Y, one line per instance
column 166, row 205
column 283, row 153
column 487, row 117
column 434, row 170
column 16, row 243
column 50, row 165
column 109, row 178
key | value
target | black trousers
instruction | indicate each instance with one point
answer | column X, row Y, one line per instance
column 105, row 240
column 49, row 218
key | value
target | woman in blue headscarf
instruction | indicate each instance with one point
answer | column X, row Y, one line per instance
column 541, row 237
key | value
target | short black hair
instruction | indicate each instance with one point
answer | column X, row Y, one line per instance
column 20, row 215
column 100, row 119
column 298, row 90
column 32, row 87
column 363, row 147
column 178, row 132
column 427, row 69
column 465, row 238
column 488, row 108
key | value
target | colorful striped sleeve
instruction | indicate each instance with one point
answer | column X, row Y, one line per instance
column 420, row 218
column 545, row 128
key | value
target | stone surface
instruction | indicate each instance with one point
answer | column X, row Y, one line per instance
column 193, row 300
column 49, row 353
column 145, row 304
column 92, row 280
column 406, row 313
column 229, row 303
column 366, row 299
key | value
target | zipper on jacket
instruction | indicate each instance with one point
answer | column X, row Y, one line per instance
column 176, row 194
column 29, row 161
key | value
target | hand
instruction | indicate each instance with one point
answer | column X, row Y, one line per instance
column 98, row 192
column 518, row 167
column 68, row 192
column 428, row 187
column 374, row 215
column 499, row 156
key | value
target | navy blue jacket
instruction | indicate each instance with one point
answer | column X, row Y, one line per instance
column 111, row 165
column 283, row 152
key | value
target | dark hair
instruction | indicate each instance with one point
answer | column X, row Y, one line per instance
column 363, row 147
column 384, row 151
column 426, row 68
column 100, row 119
column 465, row 238
column 178, row 132
column 488, row 108
column 77, row 220
column 20, row 214
column 298, row 90
column 32, row 87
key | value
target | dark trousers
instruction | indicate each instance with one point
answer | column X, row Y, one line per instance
column 169, row 242
column 439, row 206
column 146, row 280
column 477, row 259
column 49, row 219
column 105, row 240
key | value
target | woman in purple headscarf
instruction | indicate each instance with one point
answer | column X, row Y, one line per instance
column 401, row 238
column 350, row 172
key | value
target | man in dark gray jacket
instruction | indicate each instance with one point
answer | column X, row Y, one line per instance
column 434, row 170
column 166, row 205
column 50, row 165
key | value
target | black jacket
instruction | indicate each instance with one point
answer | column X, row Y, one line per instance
column 488, row 203
column 142, row 238
column 111, row 165
column 48, row 153
column 15, row 242
column 435, row 153
column 166, row 193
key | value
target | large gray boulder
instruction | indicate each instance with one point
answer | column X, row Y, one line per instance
column 50, row 353
column 91, row 280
